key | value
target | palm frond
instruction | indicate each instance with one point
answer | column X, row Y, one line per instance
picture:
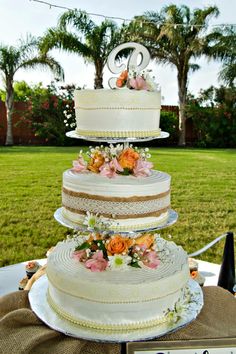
column 59, row 39
column 228, row 74
column 44, row 62
column 194, row 67
column 9, row 59
column 222, row 44
column 77, row 19
column 203, row 16
column 28, row 45
column 103, row 39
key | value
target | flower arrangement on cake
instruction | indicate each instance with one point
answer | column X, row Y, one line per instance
column 179, row 309
column 111, row 161
column 99, row 252
column 135, row 80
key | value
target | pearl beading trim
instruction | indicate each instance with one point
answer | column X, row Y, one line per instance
column 110, row 327
column 118, row 134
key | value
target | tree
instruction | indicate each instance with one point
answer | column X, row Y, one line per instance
column 224, row 48
column 92, row 42
column 24, row 91
column 175, row 36
column 213, row 115
column 23, row 56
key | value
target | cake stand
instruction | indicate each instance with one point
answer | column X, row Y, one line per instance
column 74, row 134
column 171, row 219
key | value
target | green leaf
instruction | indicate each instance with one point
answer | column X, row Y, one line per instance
column 101, row 247
column 84, row 246
column 126, row 172
column 135, row 265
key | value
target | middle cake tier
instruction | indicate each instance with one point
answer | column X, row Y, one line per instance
column 123, row 203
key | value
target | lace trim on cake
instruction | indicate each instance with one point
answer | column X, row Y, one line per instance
column 114, row 216
column 115, row 199
column 119, row 134
column 118, row 210
column 110, row 327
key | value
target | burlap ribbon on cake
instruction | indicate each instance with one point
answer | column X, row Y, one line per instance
column 21, row 332
column 80, row 197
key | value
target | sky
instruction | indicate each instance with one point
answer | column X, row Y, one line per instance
column 19, row 17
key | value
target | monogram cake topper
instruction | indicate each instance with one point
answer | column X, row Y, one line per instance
column 133, row 64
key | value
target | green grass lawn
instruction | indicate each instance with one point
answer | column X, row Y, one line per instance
column 203, row 194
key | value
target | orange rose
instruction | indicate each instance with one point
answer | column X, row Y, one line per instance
column 128, row 158
column 96, row 162
column 146, row 239
column 118, row 245
column 119, row 82
column 124, row 75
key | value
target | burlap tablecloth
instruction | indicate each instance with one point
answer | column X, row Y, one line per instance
column 21, row 332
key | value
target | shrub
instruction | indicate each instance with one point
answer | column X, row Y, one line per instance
column 168, row 123
column 46, row 114
column 214, row 117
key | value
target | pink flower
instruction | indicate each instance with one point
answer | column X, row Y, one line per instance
column 80, row 256
column 142, row 168
column 138, row 83
column 114, row 162
column 79, row 165
column 150, row 259
column 109, row 169
column 97, row 263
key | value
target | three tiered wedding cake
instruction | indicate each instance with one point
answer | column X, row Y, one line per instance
column 113, row 278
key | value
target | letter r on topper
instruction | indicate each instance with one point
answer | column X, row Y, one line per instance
column 138, row 49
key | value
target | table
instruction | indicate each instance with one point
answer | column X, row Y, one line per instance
column 11, row 275
column 21, row 332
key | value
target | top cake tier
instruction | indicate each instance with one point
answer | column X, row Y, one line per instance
column 123, row 113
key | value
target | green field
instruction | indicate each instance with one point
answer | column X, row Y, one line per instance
column 203, row 194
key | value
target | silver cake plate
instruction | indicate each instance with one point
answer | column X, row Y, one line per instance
column 74, row 134
column 171, row 219
column 39, row 304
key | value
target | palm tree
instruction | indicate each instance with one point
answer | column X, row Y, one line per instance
column 23, row 56
column 224, row 48
column 77, row 33
column 175, row 36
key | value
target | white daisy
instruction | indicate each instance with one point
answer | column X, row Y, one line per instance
column 90, row 220
column 118, row 261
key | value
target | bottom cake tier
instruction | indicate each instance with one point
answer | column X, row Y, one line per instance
column 118, row 299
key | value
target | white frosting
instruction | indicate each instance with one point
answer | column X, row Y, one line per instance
column 117, row 112
column 120, row 186
column 148, row 208
column 115, row 297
